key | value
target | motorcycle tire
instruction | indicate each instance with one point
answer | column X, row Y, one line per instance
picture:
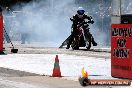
column 88, row 40
column 88, row 43
column 89, row 46
column 74, row 46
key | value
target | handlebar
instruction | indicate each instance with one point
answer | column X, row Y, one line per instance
column 83, row 21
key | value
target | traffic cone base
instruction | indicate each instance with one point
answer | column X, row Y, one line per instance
column 56, row 73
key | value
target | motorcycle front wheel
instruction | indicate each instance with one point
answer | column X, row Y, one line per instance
column 88, row 44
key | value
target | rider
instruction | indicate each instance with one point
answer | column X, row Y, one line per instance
column 80, row 17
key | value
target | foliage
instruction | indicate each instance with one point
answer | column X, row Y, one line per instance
column 9, row 3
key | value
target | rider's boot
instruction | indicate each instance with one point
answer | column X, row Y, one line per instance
column 93, row 42
column 68, row 46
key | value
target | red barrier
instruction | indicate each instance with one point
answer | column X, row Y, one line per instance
column 121, row 50
column 1, row 33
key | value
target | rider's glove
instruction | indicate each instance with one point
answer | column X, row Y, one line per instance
column 92, row 22
column 71, row 19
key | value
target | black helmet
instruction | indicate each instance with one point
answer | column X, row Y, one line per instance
column 80, row 11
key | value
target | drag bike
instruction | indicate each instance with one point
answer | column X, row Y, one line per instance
column 82, row 37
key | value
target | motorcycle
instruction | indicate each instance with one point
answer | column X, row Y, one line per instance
column 82, row 37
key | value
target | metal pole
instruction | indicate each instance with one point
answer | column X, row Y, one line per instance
column 120, row 9
column 102, row 16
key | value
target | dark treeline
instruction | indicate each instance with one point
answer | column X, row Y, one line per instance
column 9, row 3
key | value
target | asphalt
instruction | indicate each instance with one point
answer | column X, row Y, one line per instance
column 18, row 79
column 30, row 49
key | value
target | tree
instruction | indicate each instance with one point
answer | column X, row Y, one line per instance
column 9, row 3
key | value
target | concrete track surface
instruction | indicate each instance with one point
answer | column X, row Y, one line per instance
column 15, row 79
column 18, row 79
column 32, row 49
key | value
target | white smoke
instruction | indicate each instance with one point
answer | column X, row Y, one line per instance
column 48, row 21
column 45, row 21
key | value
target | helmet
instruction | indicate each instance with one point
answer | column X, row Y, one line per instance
column 80, row 11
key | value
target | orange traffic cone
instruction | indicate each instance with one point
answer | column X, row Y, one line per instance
column 56, row 70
